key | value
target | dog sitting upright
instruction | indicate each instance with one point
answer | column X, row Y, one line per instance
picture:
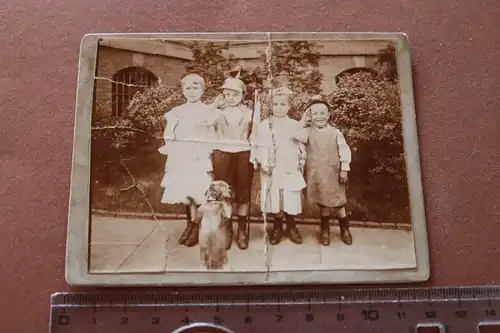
column 214, row 214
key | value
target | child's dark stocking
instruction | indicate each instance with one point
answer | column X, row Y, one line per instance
column 324, row 231
column 229, row 233
column 189, row 227
column 241, row 234
column 291, row 230
column 277, row 231
column 192, row 238
column 345, row 234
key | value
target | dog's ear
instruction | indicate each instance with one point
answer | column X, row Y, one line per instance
column 227, row 192
column 227, row 210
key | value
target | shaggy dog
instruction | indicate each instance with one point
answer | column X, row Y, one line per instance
column 214, row 216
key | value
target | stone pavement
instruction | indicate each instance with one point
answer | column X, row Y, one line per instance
column 136, row 245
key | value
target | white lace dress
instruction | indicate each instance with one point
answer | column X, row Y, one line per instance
column 189, row 136
column 283, row 159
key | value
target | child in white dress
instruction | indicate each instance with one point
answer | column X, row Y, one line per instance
column 188, row 135
column 280, row 152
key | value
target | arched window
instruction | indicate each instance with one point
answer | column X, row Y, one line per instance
column 354, row 70
column 126, row 83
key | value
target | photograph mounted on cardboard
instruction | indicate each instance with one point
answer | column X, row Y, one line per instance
column 246, row 158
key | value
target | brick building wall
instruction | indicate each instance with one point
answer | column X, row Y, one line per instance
column 168, row 70
column 335, row 57
column 167, row 62
column 331, row 66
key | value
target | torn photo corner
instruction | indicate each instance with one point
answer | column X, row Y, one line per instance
column 245, row 159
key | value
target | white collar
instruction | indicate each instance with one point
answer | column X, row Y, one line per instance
column 280, row 118
column 322, row 128
column 193, row 103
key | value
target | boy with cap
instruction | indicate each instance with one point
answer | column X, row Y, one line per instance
column 231, row 156
column 327, row 166
column 280, row 150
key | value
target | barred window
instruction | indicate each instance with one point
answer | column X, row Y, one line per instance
column 131, row 80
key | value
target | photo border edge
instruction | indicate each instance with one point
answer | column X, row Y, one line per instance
column 78, row 227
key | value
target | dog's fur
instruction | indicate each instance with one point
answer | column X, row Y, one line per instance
column 213, row 216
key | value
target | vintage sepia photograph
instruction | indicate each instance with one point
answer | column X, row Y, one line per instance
column 246, row 158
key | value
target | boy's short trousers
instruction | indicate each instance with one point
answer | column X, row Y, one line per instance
column 236, row 170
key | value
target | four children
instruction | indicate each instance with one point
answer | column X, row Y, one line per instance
column 212, row 142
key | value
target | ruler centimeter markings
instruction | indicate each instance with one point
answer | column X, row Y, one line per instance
column 413, row 310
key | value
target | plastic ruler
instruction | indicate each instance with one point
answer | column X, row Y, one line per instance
column 413, row 310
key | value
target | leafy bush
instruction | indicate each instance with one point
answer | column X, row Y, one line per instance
column 367, row 110
column 294, row 63
column 212, row 61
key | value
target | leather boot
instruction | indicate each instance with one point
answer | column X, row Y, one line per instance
column 241, row 233
column 292, row 231
column 324, row 232
column 192, row 240
column 345, row 234
column 229, row 231
column 277, row 231
column 188, row 229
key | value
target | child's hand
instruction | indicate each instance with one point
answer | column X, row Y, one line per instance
column 254, row 161
column 266, row 170
column 343, row 177
column 257, row 97
column 306, row 118
column 302, row 164
column 220, row 102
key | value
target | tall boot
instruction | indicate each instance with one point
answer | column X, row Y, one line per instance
column 229, row 233
column 241, row 234
column 277, row 231
column 188, row 229
column 192, row 239
column 291, row 230
column 324, row 232
column 345, row 234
